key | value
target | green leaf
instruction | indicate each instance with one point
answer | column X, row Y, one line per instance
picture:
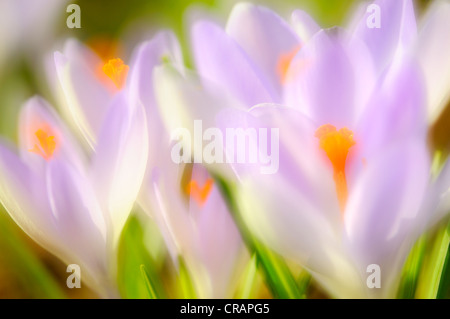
column 433, row 266
column 246, row 289
column 444, row 283
column 36, row 278
column 148, row 283
column 276, row 272
column 303, row 281
column 411, row 270
column 185, row 281
column 138, row 276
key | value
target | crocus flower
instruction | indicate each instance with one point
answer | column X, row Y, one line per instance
column 250, row 62
column 352, row 188
column 191, row 214
column 183, row 199
column 351, row 177
column 399, row 33
column 85, row 86
column 197, row 227
column 432, row 48
column 251, row 56
column 74, row 205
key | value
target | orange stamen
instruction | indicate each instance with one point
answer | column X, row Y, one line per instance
column 284, row 62
column 47, row 144
column 200, row 195
column 336, row 145
column 117, row 71
column 106, row 48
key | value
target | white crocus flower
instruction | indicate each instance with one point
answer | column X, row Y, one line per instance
column 73, row 205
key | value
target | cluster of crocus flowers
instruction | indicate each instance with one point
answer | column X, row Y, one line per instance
column 353, row 187
column 73, row 202
column 184, row 202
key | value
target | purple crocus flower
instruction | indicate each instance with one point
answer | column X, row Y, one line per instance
column 352, row 190
column 183, row 199
column 197, row 227
column 72, row 204
column 85, row 85
column 191, row 214
column 431, row 47
column 251, row 56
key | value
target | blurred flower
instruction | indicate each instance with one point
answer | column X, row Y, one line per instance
column 399, row 34
column 432, row 47
column 200, row 230
column 73, row 205
column 88, row 85
column 184, row 201
column 346, row 196
column 197, row 227
column 250, row 58
column 342, row 197
column 353, row 186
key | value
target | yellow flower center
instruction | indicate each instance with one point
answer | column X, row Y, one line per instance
column 46, row 144
column 117, row 71
column 199, row 194
column 336, row 145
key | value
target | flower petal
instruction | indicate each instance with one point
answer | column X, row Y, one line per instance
column 326, row 75
column 396, row 110
column 37, row 114
column 284, row 142
column 183, row 98
column 216, row 238
column 78, row 218
column 119, row 164
column 141, row 84
column 283, row 218
column 148, row 55
column 438, row 197
column 382, row 218
column 220, row 59
column 304, row 25
column 23, row 195
column 86, row 96
column 397, row 30
column 265, row 37
column 432, row 48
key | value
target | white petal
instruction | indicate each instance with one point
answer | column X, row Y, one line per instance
column 86, row 96
column 284, row 219
column 78, row 218
column 265, row 37
column 433, row 49
column 119, row 164
column 304, row 25
column 37, row 114
column 383, row 214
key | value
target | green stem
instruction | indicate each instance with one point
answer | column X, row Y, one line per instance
column 433, row 268
column 276, row 272
column 411, row 270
